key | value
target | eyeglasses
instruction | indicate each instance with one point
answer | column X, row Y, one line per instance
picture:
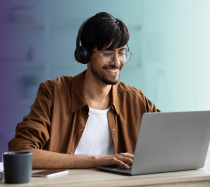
column 108, row 56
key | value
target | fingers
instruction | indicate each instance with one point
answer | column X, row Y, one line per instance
column 120, row 163
column 127, row 159
column 127, row 155
column 121, row 159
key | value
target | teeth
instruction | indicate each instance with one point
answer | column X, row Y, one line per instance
column 112, row 70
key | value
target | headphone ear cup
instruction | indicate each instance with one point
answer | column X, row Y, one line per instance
column 85, row 55
column 78, row 55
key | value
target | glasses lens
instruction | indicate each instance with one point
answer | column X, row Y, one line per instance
column 107, row 57
column 125, row 56
column 128, row 56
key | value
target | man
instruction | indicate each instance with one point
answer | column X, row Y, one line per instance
column 90, row 119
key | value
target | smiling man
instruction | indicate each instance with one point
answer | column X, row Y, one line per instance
column 90, row 119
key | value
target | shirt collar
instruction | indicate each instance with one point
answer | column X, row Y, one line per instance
column 115, row 98
column 78, row 98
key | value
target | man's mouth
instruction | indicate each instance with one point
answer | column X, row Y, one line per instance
column 112, row 70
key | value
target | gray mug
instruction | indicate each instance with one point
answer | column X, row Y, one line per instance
column 17, row 167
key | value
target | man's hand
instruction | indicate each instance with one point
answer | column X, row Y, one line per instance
column 121, row 159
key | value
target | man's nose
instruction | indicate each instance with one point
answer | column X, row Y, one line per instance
column 116, row 60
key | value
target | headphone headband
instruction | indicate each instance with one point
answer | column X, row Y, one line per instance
column 79, row 33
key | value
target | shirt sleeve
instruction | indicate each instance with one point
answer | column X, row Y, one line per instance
column 33, row 132
column 150, row 107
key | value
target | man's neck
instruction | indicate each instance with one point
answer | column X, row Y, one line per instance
column 97, row 93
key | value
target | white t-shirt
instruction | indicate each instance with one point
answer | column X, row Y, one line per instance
column 96, row 138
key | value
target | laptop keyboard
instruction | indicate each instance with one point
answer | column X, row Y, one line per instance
column 118, row 168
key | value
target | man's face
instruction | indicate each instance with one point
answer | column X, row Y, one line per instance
column 107, row 73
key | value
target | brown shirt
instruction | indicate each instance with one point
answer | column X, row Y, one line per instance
column 59, row 114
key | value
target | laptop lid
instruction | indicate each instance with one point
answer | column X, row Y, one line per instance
column 171, row 142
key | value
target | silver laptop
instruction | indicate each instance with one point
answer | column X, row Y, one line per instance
column 169, row 142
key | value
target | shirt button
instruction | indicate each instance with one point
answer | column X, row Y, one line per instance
column 80, row 130
column 113, row 130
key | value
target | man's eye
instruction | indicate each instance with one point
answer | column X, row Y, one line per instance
column 122, row 53
column 108, row 54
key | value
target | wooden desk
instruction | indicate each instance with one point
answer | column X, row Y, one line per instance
column 94, row 177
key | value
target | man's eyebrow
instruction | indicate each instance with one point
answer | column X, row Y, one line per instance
column 122, row 48
column 114, row 50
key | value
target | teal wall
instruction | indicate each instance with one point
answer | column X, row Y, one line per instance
column 175, row 54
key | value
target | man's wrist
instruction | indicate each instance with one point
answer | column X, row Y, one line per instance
column 97, row 161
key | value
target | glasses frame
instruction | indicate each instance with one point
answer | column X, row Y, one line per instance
column 113, row 58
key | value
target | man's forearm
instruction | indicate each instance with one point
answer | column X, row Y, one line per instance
column 51, row 160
